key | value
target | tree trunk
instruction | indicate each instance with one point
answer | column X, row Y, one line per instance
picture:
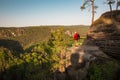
column 61, row 59
column 110, row 7
column 93, row 11
column 117, row 5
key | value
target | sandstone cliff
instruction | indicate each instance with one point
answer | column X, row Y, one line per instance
column 105, row 33
column 98, row 58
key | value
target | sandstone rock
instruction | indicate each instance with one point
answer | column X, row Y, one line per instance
column 103, row 40
column 105, row 33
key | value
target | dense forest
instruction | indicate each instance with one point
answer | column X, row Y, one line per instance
column 39, row 61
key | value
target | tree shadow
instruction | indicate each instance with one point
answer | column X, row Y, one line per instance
column 12, row 45
column 73, row 72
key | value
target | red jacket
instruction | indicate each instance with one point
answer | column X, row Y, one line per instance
column 76, row 36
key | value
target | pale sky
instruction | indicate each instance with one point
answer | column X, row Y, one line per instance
column 21, row 13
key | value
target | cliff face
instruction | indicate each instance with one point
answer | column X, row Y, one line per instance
column 91, row 60
column 105, row 33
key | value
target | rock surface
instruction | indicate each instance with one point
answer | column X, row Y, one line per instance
column 101, row 46
column 105, row 33
column 102, row 43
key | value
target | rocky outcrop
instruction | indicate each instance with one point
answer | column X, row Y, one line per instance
column 12, row 32
column 81, row 59
column 100, row 52
column 101, row 47
column 105, row 33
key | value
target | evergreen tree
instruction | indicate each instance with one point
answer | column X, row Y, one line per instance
column 110, row 2
column 91, row 3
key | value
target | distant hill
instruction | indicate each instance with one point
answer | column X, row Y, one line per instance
column 27, row 36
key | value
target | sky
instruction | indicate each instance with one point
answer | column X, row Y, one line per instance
column 21, row 13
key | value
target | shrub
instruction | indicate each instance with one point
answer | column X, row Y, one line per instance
column 103, row 71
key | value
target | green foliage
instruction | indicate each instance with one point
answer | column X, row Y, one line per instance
column 39, row 61
column 29, row 66
column 37, row 66
column 59, row 40
column 105, row 71
column 5, row 57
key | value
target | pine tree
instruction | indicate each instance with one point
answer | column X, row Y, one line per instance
column 88, row 3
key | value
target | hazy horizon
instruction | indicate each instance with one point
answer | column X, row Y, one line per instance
column 22, row 13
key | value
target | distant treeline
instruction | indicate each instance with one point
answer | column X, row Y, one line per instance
column 33, row 34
